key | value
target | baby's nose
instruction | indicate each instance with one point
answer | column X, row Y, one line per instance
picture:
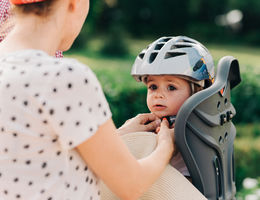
column 159, row 94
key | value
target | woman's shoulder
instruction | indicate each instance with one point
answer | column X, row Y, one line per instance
column 76, row 68
column 34, row 55
column 40, row 59
column 72, row 63
column 41, row 64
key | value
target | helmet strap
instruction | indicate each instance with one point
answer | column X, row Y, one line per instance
column 192, row 89
column 195, row 87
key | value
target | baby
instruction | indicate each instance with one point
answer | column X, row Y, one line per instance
column 173, row 69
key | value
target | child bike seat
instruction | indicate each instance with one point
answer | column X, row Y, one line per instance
column 204, row 134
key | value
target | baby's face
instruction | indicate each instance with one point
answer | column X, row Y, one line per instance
column 166, row 94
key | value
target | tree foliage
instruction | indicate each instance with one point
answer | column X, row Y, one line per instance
column 196, row 18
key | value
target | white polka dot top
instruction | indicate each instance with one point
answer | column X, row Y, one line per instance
column 48, row 106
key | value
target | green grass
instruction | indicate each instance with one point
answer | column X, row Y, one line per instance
column 249, row 131
column 113, row 73
column 247, row 56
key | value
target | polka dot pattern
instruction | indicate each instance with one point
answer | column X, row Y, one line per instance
column 51, row 105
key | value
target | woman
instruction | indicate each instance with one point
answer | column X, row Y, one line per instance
column 57, row 135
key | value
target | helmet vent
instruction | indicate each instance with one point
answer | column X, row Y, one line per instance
column 141, row 55
column 188, row 41
column 159, row 46
column 152, row 57
column 178, row 46
column 165, row 39
column 173, row 54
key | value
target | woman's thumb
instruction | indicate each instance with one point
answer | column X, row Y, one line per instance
column 164, row 123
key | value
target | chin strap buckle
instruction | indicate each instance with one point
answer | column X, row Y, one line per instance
column 171, row 119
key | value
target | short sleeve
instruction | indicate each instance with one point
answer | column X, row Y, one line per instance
column 75, row 104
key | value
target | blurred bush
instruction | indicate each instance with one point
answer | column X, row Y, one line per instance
column 127, row 104
column 115, row 43
column 196, row 18
column 246, row 97
column 251, row 130
column 247, row 158
column 251, row 189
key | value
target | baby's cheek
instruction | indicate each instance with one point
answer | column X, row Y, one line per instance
column 182, row 102
column 176, row 105
column 149, row 103
column 178, row 108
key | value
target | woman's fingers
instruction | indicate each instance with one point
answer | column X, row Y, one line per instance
column 166, row 137
column 142, row 122
column 165, row 123
column 157, row 130
column 165, row 131
column 152, row 125
column 146, row 117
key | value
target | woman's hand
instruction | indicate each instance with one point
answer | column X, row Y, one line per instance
column 158, row 128
column 142, row 122
column 166, row 138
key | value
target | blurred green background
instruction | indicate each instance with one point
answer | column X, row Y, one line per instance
column 116, row 31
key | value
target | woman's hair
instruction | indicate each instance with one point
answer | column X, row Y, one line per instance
column 42, row 8
column 6, row 19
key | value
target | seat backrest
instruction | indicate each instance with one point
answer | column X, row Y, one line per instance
column 205, row 134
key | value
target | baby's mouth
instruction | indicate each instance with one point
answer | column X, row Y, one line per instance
column 159, row 107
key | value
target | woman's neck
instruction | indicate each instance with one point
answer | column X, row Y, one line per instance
column 33, row 32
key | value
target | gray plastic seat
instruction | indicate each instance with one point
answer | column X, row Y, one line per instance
column 205, row 134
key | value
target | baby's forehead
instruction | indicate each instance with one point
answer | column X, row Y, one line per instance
column 172, row 78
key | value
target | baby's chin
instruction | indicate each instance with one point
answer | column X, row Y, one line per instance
column 161, row 114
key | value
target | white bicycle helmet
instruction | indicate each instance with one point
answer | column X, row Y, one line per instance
column 178, row 55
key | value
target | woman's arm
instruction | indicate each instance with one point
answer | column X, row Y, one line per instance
column 107, row 155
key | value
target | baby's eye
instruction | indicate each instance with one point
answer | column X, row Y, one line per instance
column 152, row 87
column 171, row 87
